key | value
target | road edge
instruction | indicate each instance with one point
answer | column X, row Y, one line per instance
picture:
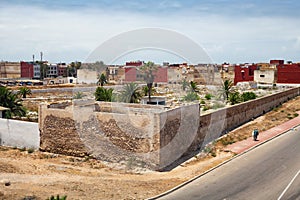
column 219, row 165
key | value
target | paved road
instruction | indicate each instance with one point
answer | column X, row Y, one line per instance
column 268, row 172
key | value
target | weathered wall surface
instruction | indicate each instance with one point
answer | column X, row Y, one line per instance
column 215, row 124
column 112, row 132
column 19, row 134
column 147, row 135
column 178, row 130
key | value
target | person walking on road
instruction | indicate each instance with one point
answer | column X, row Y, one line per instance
column 255, row 134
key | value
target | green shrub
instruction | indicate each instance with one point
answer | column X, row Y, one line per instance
column 208, row 96
column 246, row 96
column 78, row 95
column 191, row 96
column 234, row 98
column 206, row 107
column 218, row 105
column 202, row 102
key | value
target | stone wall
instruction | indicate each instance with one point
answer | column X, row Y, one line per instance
column 216, row 124
column 113, row 132
column 148, row 136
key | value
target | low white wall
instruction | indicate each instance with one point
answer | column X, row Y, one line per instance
column 19, row 134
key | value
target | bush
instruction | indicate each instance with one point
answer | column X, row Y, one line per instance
column 206, row 107
column 208, row 96
column 234, row 98
column 78, row 95
column 246, row 96
column 218, row 105
column 202, row 102
column 191, row 96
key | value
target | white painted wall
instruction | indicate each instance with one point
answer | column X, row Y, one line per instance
column 87, row 76
column 19, row 134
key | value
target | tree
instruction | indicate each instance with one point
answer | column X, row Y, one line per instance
column 146, row 90
column 185, row 84
column 72, row 68
column 193, row 87
column 10, row 100
column 130, row 93
column 24, row 91
column 102, row 79
column 149, row 69
column 226, row 89
column 103, row 94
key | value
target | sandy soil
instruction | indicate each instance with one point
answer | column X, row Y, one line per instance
column 39, row 175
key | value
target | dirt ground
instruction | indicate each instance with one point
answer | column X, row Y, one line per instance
column 38, row 175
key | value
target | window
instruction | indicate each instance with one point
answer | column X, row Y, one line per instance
column 262, row 75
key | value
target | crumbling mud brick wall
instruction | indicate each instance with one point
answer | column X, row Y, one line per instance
column 113, row 132
column 147, row 135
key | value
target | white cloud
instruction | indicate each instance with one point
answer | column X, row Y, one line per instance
column 66, row 35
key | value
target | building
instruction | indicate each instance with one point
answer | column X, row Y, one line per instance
column 62, row 70
column 52, row 70
column 115, row 74
column 87, row 76
column 132, row 74
column 10, row 70
column 265, row 77
column 288, row 73
column 244, row 73
column 30, row 70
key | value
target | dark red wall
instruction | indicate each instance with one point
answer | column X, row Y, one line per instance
column 26, row 69
column 130, row 74
column 244, row 73
column 288, row 73
column 161, row 76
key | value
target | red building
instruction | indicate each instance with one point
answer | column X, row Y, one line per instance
column 276, row 62
column 134, row 63
column 244, row 73
column 288, row 73
column 132, row 75
column 27, row 69
column 62, row 69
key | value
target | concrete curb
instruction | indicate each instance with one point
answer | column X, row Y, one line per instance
column 219, row 165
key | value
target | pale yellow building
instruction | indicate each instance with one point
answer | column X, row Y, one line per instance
column 10, row 70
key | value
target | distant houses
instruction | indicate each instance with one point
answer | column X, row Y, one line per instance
column 263, row 74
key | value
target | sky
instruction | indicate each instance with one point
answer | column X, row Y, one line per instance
column 234, row 31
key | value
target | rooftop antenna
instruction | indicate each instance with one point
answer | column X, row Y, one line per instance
column 33, row 58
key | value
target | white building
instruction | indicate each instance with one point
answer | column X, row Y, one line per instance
column 265, row 78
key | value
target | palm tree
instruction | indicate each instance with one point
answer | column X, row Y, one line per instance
column 185, row 84
column 103, row 94
column 24, row 91
column 226, row 89
column 10, row 100
column 102, row 79
column 149, row 69
column 130, row 93
column 193, row 87
column 145, row 90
